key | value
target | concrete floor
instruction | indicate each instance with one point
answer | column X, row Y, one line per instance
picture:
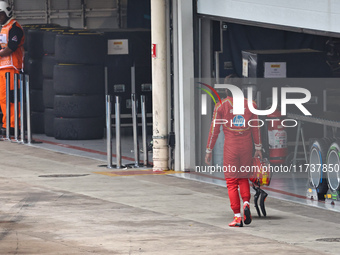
column 285, row 186
column 56, row 203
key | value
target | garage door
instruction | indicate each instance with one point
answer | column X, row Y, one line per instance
column 321, row 15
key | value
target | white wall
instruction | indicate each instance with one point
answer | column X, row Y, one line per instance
column 322, row 15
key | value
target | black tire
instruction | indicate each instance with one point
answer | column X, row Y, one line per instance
column 80, row 48
column 35, row 43
column 79, row 106
column 26, row 59
column 49, row 42
column 78, row 128
column 79, row 79
column 49, row 122
column 36, row 100
column 48, row 93
column 333, row 164
column 48, row 63
column 49, row 39
column 317, row 159
column 33, row 26
column 34, row 70
column 37, row 122
column 34, row 37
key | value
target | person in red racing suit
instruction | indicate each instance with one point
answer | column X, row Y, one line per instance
column 238, row 149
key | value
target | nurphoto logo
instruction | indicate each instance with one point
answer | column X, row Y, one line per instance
column 239, row 107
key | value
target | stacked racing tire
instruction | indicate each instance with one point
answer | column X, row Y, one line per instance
column 78, row 82
column 48, row 63
column 33, row 66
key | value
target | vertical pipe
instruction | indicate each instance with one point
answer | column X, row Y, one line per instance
column 303, row 144
column 258, row 99
column 297, row 142
column 133, row 79
column 16, row 115
column 144, row 126
column 324, row 106
column 83, row 13
column 119, row 13
column 106, row 81
column 28, row 110
column 22, row 130
column 48, row 11
column 118, row 141
column 159, row 85
column 108, row 132
column 8, row 111
column 217, row 66
column 135, row 131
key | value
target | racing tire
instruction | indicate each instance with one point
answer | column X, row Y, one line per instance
column 34, row 70
column 48, row 93
column 35, row 43
column 79, row 79
column 49, row 122
column 317, row 160
column 333, row 164
column 37, row 122
column 78, row 128
column 79, row 106
column 81, row 48
column 49, row 39
column 48, row 62
column 36, row 100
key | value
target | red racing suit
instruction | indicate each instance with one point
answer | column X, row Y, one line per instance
column 238, row 146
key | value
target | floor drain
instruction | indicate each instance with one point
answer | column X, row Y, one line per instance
column 62, row 175
column 330, row 240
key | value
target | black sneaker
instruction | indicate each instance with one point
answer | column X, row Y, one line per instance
column 246, row 214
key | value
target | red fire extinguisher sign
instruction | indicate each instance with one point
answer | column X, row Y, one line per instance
column 153, row 50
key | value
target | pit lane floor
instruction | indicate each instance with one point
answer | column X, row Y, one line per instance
column 57, row 203
column 291, row 186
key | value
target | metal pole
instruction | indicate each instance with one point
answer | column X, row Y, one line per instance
column 133, row 79
column 135, row 125
column 83, row 13
column 22, row 131
column 217, row 66
column 297, row 142
column 108, row 131
column 303, row 144
column 106, row 81
column 8, row 111
column 144, row 126
column 324, row 94
column 16, row 115
column 118, row 141
column 159, row 81
column 28, row 110
column 258, row 100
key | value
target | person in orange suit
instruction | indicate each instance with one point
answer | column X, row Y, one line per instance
column 11, row 58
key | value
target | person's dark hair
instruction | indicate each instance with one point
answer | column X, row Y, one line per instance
column 234, row 80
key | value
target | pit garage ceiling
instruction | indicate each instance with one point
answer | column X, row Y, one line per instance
column 91, row 14
column 314, row 15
